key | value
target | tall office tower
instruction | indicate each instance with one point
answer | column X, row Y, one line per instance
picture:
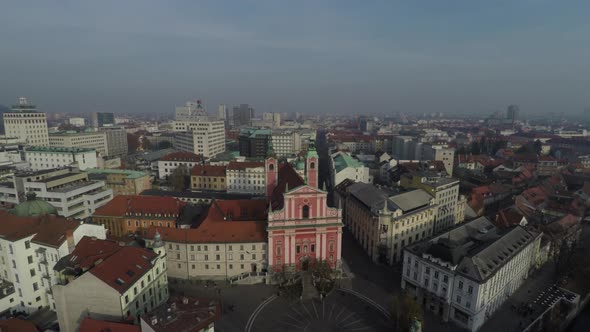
column 116, row 141
column 512, row 113
column 102, row 119
column 27, row 124
column 222, row 112
column 243, row 115
column 191, row 111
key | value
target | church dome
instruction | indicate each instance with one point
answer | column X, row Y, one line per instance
column 33, row 207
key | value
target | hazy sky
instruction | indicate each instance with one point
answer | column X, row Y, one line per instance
column 308, row 56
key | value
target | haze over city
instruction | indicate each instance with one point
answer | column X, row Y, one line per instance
column 307, row 56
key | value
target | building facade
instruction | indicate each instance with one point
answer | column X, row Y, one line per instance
column 465, row 275
column 122, row 181
column 116, row 141
column 343, row 166
column 208, row 178
column 242, row 115
column 102, row 119
column 41, row 158
column 383, row 223
column 168, row 163
column 246, row 178
column 254, row 143
column 103, row 281
column 302, row 228
column 206, row 138
column 85, row 140
column 286, row 142
column 445, row 191
column 27, row 124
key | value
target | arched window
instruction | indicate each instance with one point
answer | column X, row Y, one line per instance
column 271, row 167
column 312, row 165
column 305, row 212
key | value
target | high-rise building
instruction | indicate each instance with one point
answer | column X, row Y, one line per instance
column 27, row 124
column 512, row 113
column 222, row 112
column 191, row 111
column 102, row 119
column 254, row 143
column 116, row 141
column 242, row 115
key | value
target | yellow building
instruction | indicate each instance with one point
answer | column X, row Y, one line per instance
column 122, row 181
column 206, row 177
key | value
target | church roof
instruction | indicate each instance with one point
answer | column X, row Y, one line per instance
column 33, row 207
column 288, row 180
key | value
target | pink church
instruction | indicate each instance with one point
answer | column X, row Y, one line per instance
column 301, row 226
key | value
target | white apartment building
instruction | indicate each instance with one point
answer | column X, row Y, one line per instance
column 70, row 192
column 246, row 178
column 343, row 166
column 78, row 122
column 87, row 140
column 285, row 142
column 30, row 247
column 54, row 157
column 466, row 274
column 27, row 124
column 206, row 138
column 383, row 223
column 167, row 164
column 104, row 281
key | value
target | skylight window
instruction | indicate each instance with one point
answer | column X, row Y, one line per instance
column 120, row 281
column 130, row 273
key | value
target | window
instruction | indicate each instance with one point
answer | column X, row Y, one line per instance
column 30, row 259
column 35, row 286
column 126, row 299
column 458, row 299
column 470, row 289
column 313, row 248
column 312, row 165
column 27, row 244
column 297, row 249
column 446, row 278
column 206, row 257
column 460, row 284
column 435, row 274
column 32, row 271
column 427, row 270
column 305, row 212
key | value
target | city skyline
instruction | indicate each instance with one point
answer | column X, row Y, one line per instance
column 307, row 57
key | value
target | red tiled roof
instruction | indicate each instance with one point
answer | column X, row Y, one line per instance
column 123, row 268
column 208, row 170
column 17, row 325
column 182, row 156
column 227, row 221
column 48, row 230
column 95, row 325
column 508, row 217
column 236, row 165
column 89, row 250
column 122, row 204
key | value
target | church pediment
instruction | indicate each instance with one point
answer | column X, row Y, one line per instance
column 305, row 189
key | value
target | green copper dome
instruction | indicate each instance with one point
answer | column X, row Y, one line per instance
column 300, row 164
column 33, row 207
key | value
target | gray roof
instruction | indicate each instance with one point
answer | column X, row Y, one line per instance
column 411, row 200
column 477, row 248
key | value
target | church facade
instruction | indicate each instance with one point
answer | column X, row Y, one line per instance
column 302, row 228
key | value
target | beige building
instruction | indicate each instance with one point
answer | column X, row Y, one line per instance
column 206, row 138
column 445, row 191
column 208, row 178
column 230, row 241
column 26, row 124
column 88, row 140
column 102, row 280
column 122, row 181
column 385, row 222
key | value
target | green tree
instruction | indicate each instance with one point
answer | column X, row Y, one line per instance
column 180, row 179
column 404, row 310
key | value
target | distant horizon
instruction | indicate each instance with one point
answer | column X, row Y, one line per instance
column 311, row 57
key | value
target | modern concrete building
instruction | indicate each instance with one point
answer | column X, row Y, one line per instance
column 78, row 122
column 466, row 274
column 41, row 158
column 254, row 143
column 122, row 181
column 102, row 119
column 69, row 191
column 191, row 111
column 445, row 191
column 87, row 140
column 116, row 141
column 246, row 178
column 32, row 240
column 385, row 222
column 286, row 142
column 243, row 115
column 102, row 280
column 27, row 124
column 343, row 166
